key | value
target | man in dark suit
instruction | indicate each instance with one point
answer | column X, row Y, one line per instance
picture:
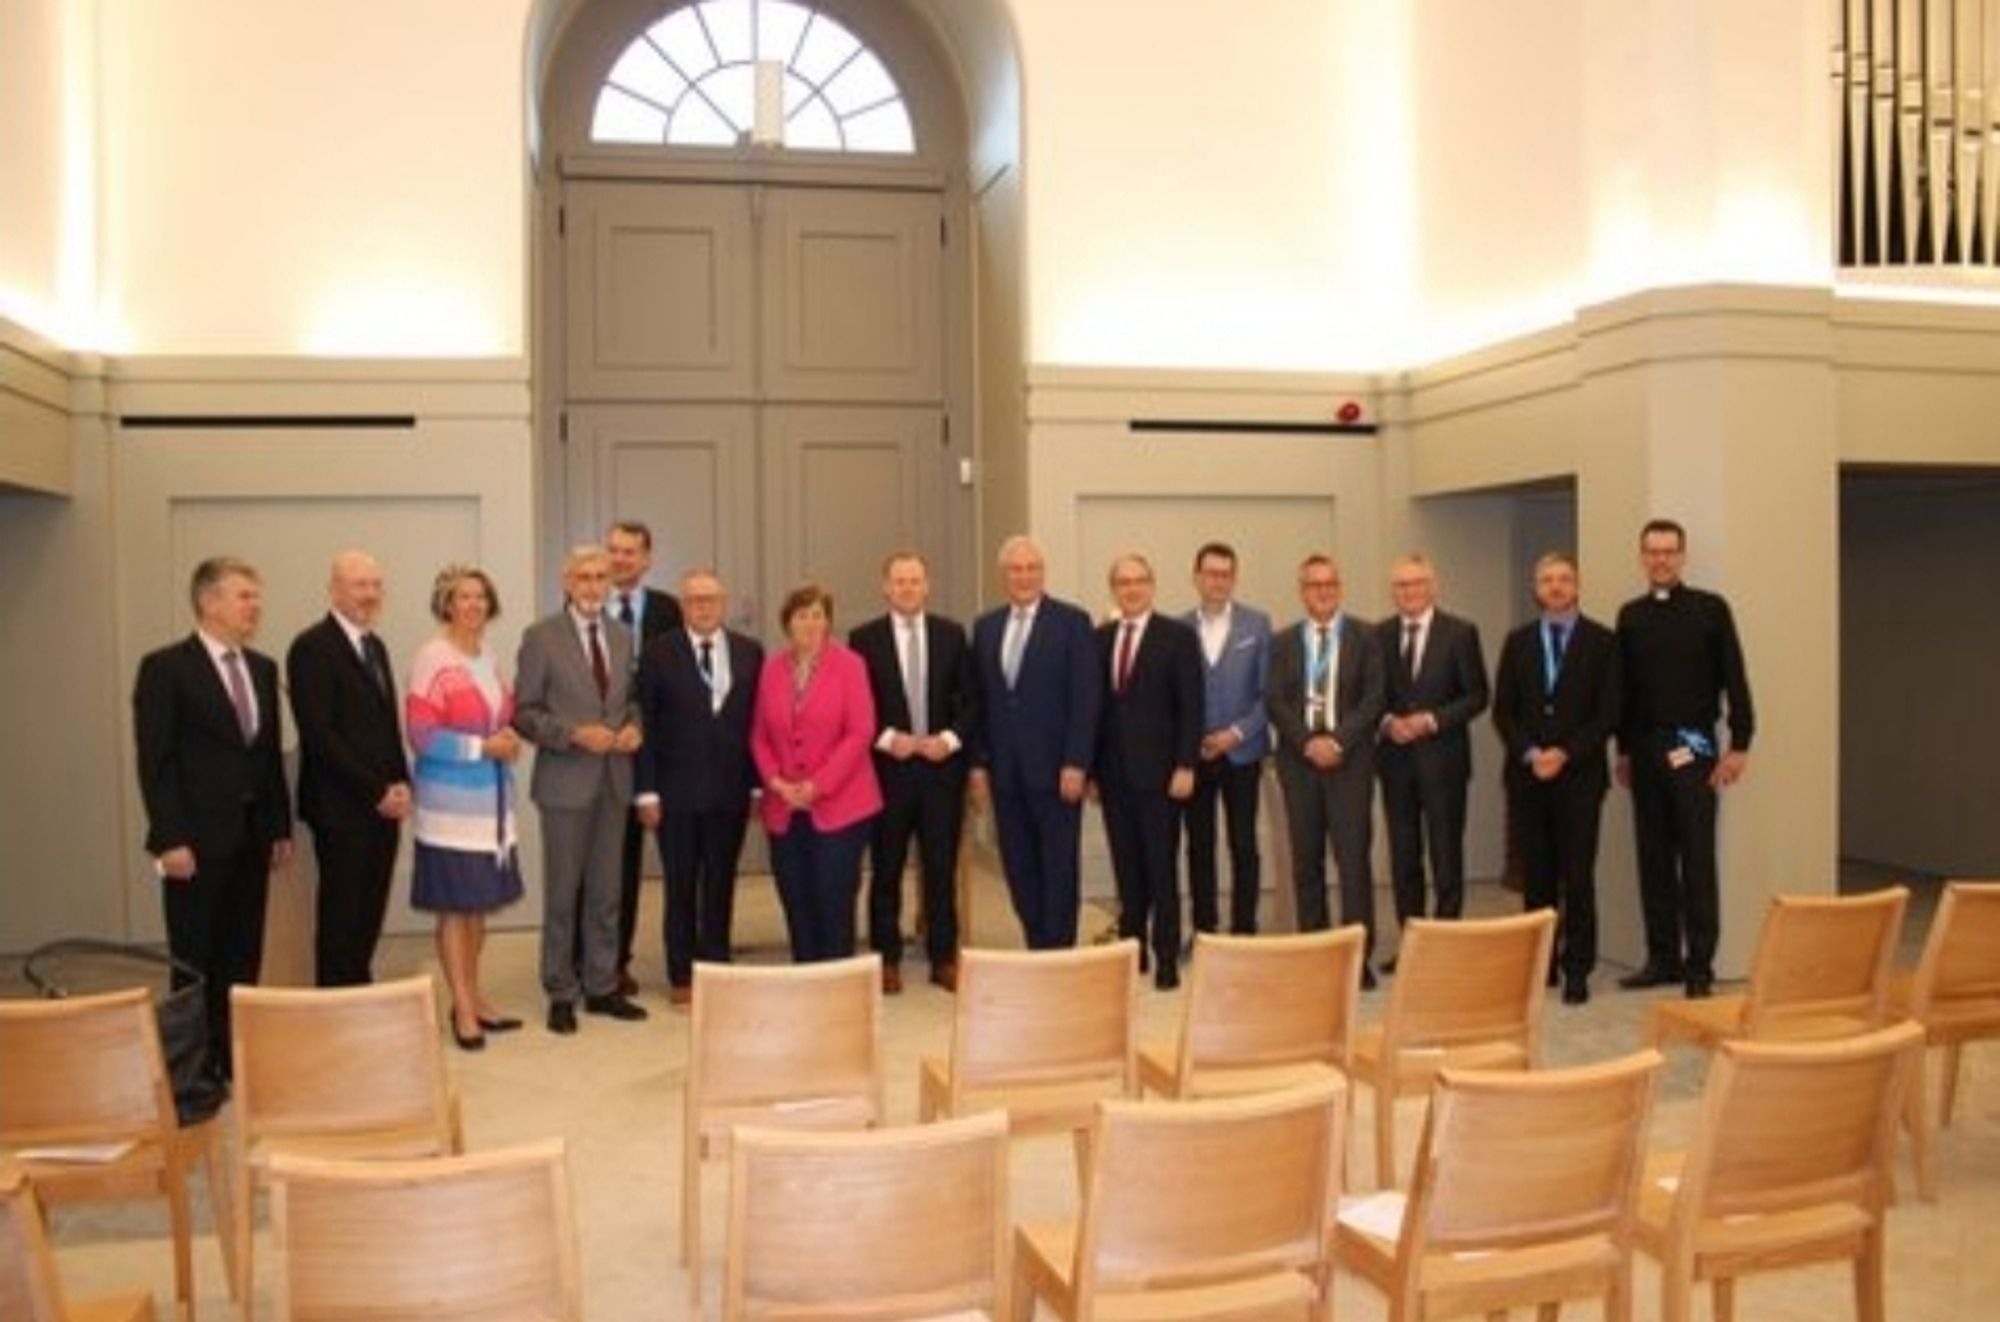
column 1555, row 704
column 1148, row 741
column 354, row 780
column 573, row 698
column 1435, row 687
column 1681, row 661
column 1236, row 736
column 1325, row 700
column 205, row 718
column 1040, row 688
column 697, row 689
column 646, row 613
column 920, row 673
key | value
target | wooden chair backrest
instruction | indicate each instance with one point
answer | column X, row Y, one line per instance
column 342, row 1060
column 1032, row 1017
column 1470, row 980
column 1961, row 959
column 83, row 1069
column 29, row 1288
column 1194, row 1193
column 1787, row 1125
column 1272, row 1000
column 866, row 1225
column 785, row 1033
column 1514, row 1158
column 471, row 1238
column 1824, row 955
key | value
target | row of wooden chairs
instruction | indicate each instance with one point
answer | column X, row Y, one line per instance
column 1531, row 1189
column 355, row 1072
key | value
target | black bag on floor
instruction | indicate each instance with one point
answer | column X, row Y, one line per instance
column 82, row 966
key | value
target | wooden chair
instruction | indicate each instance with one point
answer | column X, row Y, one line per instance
column 1525, row 1193
column 484, row 1238
column 869, row 1226
column 1821, row 970
column 88, row 1070
column 30, row 1290
column 789, row 1047
column 1044, row 1034
column 1263, row 1012
column 346, row 1072
column 1196, row 1210
column 1955, row 994
column 1789, row 1165
column 1468, row 995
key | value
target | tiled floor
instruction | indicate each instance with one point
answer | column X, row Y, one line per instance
column 613, row 1092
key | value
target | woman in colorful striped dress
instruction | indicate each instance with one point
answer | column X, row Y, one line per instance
column 457, row 713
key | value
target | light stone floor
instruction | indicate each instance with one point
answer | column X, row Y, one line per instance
column 613, row 1093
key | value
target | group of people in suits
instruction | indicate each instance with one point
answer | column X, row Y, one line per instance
column 649, row 715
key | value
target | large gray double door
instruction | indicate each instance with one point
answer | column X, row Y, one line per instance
column 758, row 373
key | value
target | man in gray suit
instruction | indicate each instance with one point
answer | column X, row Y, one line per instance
column 1236, row 664
column 1325, row 698
column 574, row 701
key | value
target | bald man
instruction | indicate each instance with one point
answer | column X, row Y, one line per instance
column 354, row 781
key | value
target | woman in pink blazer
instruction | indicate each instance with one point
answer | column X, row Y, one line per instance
column 810, row 737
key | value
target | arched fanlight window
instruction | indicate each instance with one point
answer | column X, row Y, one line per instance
column 775, row 72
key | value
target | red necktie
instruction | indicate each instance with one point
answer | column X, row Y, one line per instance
column 598, row 669
column 1124, row 675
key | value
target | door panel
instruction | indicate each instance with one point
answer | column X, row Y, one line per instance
column 659, row 280
column 688, row 471
column 851, row 306
column 843, row 487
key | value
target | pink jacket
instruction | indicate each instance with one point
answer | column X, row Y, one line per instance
column 824, row 737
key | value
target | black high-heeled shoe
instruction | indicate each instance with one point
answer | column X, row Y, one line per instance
column 468, row 1041
column 505, row 1023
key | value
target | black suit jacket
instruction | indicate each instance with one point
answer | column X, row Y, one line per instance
column 1154, row 727
column 1578, row 717
column 350, row 744
column 203, row 786
column 1450, row 683
column 951, row 695
column 661, row 617
column 1359, row 686
column 697, row 759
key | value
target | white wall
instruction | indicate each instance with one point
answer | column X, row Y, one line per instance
column 47, row 167
column 314, row 178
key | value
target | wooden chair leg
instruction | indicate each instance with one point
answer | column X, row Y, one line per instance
column 243, row 1215
column 1550, row 1312
column 1385, row 1135
column 1869, row 1303
column 1618, row 1295
column 221, row 1202
column 1948, row 1086
column 180, row 1219
column 1725, row 1299
column 691, row 1219
column 1021, row 1302
column 1916, row 1118
column 1676, row 1294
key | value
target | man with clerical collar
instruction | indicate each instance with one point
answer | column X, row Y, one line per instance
column 1682, row 661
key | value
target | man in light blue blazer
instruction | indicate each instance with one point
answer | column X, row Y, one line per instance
column 1236, row 735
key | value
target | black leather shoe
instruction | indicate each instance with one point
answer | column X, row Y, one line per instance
column 1389, row 966
column 1650, row 975
column 1576, row 991
column 1700, row 986
column 506, row 1023
column 1554, row 979
column 1367, row 978
column 617, row 1007
column 468, row 1041
column 1168, row 978
column 562, row 1018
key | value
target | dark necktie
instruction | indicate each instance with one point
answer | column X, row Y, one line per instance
column 1124, row 676
column 1411, row 628
column 625, row 609
column 598, row 669
column 376, row 658
column 1558, row 636
column 239, row 695
column 708, row 661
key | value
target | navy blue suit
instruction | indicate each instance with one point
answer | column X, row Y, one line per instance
column 1031, row 731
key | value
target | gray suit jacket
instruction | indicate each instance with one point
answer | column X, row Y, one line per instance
column 1358, row 693
column 554, row 692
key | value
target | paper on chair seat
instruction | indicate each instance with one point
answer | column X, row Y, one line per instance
column 1377, row 1214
